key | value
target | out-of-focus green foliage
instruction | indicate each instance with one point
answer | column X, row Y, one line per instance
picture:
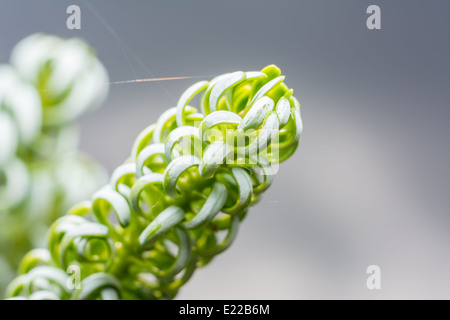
column 48, row 84
column 179, row 199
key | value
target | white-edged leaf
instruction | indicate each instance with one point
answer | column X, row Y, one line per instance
column 211, row 207
column 187, row 95
column 176, row 135
column 127, row 169
column 167, row 115
column 245, row 187
column 173, row 171
column 146, row 153
column 266, row 88
column 139, row 186
column 283, row 109
column 217, row 118
column 222, row 85
column 213, row 157
column 162, row 223
column 257, row 113
column 117, row 202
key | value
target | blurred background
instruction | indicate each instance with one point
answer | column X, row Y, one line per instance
column 370, row 182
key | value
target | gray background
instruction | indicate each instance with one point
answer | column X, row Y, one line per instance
column 370, row 182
